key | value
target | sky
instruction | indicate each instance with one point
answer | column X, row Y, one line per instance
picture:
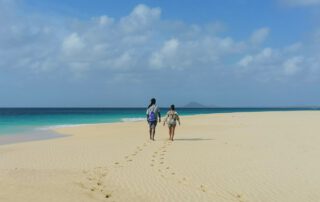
column 111, row 53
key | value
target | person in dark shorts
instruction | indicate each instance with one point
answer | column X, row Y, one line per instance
column 153, row 115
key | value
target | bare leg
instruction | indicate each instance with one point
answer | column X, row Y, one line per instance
column 153, row 133
column 172, row 131
column 150, row 132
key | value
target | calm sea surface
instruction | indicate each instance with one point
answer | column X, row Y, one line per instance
column 26, row 120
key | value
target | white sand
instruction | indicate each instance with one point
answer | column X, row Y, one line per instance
column 265, row 156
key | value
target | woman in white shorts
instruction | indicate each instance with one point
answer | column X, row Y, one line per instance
column 171, row 119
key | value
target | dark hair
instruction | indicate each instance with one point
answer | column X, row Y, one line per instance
column 172, row 107
column 152, row 102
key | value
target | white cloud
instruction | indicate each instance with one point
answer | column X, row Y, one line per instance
column 164, row 57
column 141, row 42
column 245, row 61
column 261, row 66
column 123, row 61
column 140, row 18
column 105, row 20
column 195, row 52
column 136, row 42
column 261, row 57
column 265, row 54
column 170, row 47
column 278, row 65
column 292, row 65
column 293, row 47
column 72, row 44
column 259, row 35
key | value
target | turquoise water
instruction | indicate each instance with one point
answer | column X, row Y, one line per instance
column 13, row 121
column 23, row 120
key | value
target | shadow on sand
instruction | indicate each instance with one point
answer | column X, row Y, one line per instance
column 192, row 139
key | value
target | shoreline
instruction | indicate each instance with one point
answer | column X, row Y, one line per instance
column 51, row 132
column 29, row 137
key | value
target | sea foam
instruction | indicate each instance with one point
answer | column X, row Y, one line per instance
column 60, row 126
column 133, row 119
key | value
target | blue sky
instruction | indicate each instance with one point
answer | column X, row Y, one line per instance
column 121, row 53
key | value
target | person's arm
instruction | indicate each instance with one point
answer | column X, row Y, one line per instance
column 165, row 120
column 178, row 118
column 159, row 116
column 147, row 113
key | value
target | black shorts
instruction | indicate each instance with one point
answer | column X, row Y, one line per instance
column 152, row 124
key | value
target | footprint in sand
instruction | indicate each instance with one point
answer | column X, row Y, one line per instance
column 240, row 197
column 203, row 188
column 130, row 157
column 94, row 180
column 183, row 181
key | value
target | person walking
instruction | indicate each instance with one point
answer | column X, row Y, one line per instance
column 153, row 115
column 171, row 120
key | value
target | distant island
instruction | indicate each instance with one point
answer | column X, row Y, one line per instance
column 197, row 105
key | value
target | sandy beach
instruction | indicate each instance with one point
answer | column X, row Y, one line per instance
column 258, row 156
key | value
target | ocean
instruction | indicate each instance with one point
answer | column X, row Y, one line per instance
column 30, row 120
